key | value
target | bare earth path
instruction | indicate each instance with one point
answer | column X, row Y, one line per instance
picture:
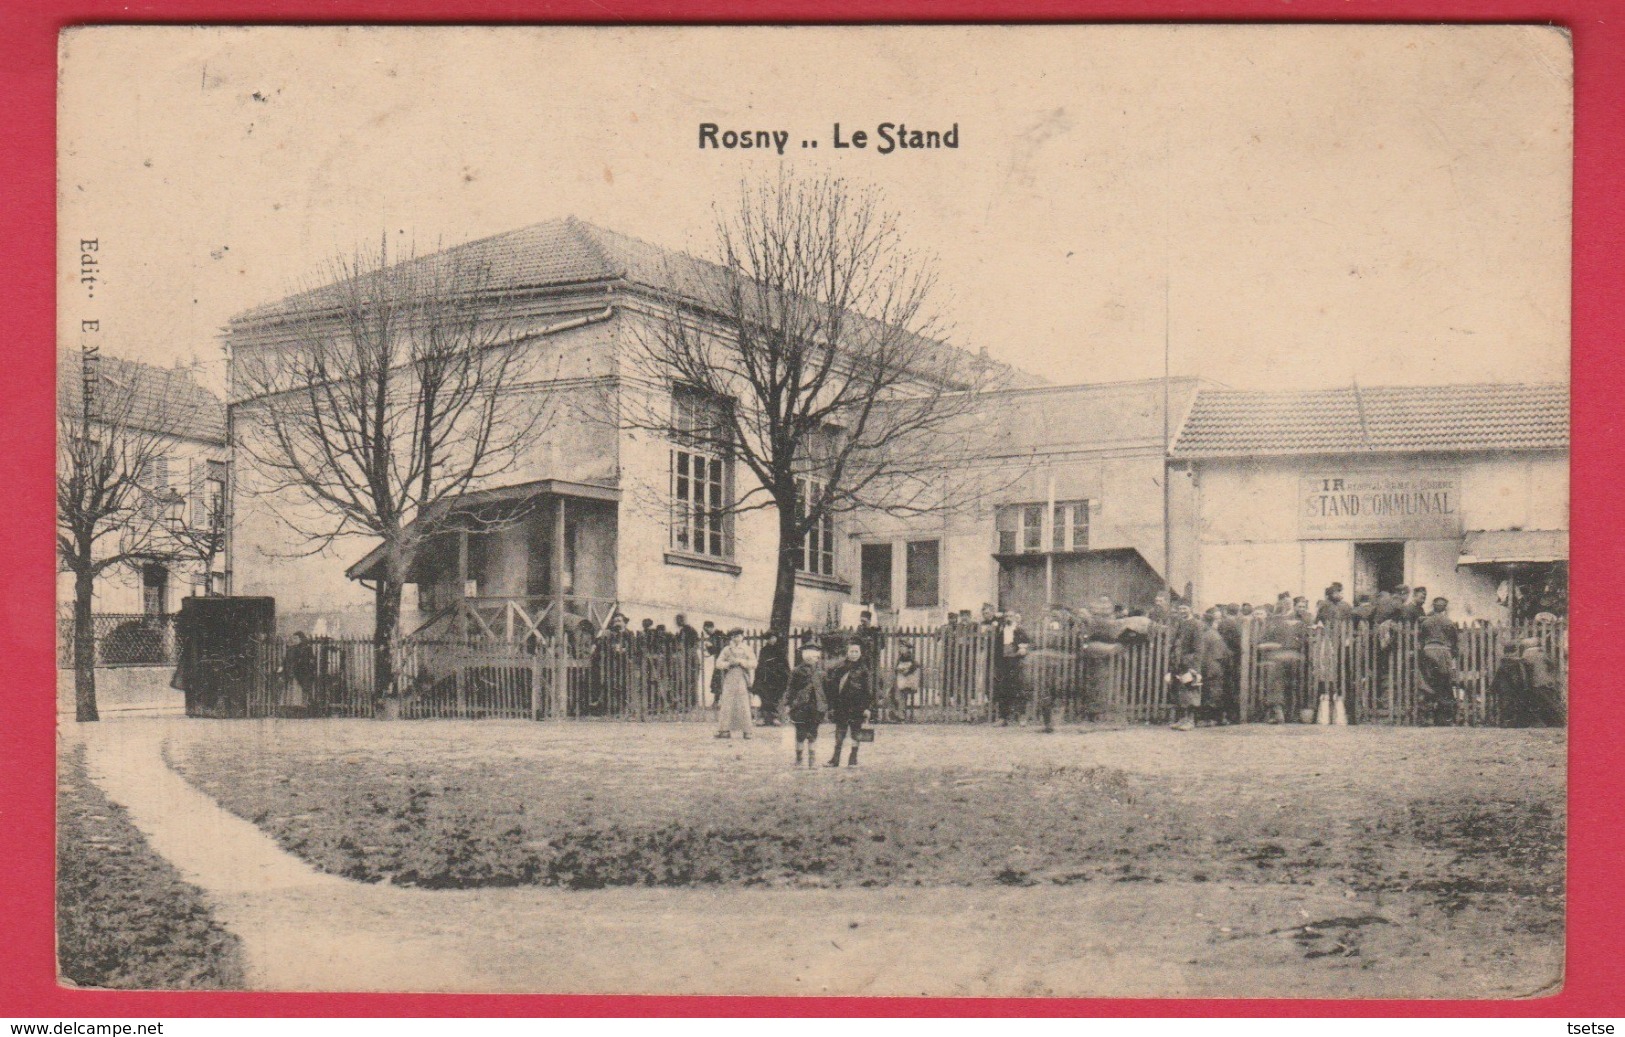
column 306, row 930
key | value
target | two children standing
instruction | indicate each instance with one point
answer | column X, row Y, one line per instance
column 844, row 693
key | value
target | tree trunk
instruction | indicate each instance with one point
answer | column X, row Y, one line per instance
column 386, row 621
column 784, row 584
column 84, row 648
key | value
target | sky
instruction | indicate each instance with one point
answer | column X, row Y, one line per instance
column 1283, row 206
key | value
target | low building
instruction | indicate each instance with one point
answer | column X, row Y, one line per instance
column 1073, row 508
column 1463, row 489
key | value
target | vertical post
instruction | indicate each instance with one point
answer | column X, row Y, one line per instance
column 462, row 585
column 1049, row 551
column 560, row 669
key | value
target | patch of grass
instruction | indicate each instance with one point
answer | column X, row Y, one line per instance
column 125, row 918
column 598, row 807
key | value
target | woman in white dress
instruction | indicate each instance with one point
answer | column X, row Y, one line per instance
column 737, row 664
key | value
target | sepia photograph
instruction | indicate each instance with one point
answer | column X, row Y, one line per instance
column 886, row 511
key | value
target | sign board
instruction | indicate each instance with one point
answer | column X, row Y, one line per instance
column 1417, row 504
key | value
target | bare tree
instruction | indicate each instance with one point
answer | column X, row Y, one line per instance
column 112, row 431
column 395, row 390
column 810, row 353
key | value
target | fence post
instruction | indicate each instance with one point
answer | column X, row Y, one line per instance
column 536, row 671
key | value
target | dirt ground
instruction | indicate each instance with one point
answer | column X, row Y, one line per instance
column 1252, row 861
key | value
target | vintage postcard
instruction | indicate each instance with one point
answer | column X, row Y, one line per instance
column 893, row 511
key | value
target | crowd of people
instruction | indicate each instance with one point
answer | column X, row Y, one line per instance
column 1303, row 651
column 839, row 677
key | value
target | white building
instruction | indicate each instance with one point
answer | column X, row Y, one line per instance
column 1463, row 489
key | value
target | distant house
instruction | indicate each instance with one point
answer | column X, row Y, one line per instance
column 617, row 518
column 185, row 485
column 1463, row 489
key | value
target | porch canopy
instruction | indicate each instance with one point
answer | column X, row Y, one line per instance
column 482, row 505
column 1509, row 546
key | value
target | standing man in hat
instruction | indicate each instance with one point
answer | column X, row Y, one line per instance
column 1439, row 640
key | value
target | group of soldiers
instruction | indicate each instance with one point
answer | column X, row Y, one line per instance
column 1304, row 656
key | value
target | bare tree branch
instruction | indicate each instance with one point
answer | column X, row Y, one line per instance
column 399, row 393
column 815, row 336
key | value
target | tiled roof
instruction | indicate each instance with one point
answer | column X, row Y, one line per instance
column 1379, row 419
column 162, row 399
column 557, row 254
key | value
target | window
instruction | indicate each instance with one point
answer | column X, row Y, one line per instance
column 921, row 574
column 699, row 504
column 1021, row 528
column 699, row 419
column 818, row 548
column 153, row 479
column 1072, row 526
column 701, row 477
column 208, row 493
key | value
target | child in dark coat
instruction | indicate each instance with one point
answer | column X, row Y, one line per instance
column 805, row 702
column 850, row 692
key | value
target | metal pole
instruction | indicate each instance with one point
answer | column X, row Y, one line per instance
column 559, row 648
column 1167, row 448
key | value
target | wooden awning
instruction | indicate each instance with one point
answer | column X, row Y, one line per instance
column 367, row 567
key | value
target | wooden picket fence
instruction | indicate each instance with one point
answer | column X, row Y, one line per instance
column 632, row 676
column 1376, row 671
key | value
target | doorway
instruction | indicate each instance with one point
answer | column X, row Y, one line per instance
column 1378, row 566
column 154, row 589
column 874, row 575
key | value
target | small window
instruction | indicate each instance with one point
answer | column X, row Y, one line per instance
column 1032, row 528
column 1021, row 528
column 818, row 547
column 1071, row 526
column 922, row 574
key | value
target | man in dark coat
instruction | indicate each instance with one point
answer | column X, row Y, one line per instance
column 1438, row 640
column 1334, row 610
column 715, row 640
column 772, row 676
column 1010, row 658
column 1216, row 655
column 849, row 688
column 1185, row 666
